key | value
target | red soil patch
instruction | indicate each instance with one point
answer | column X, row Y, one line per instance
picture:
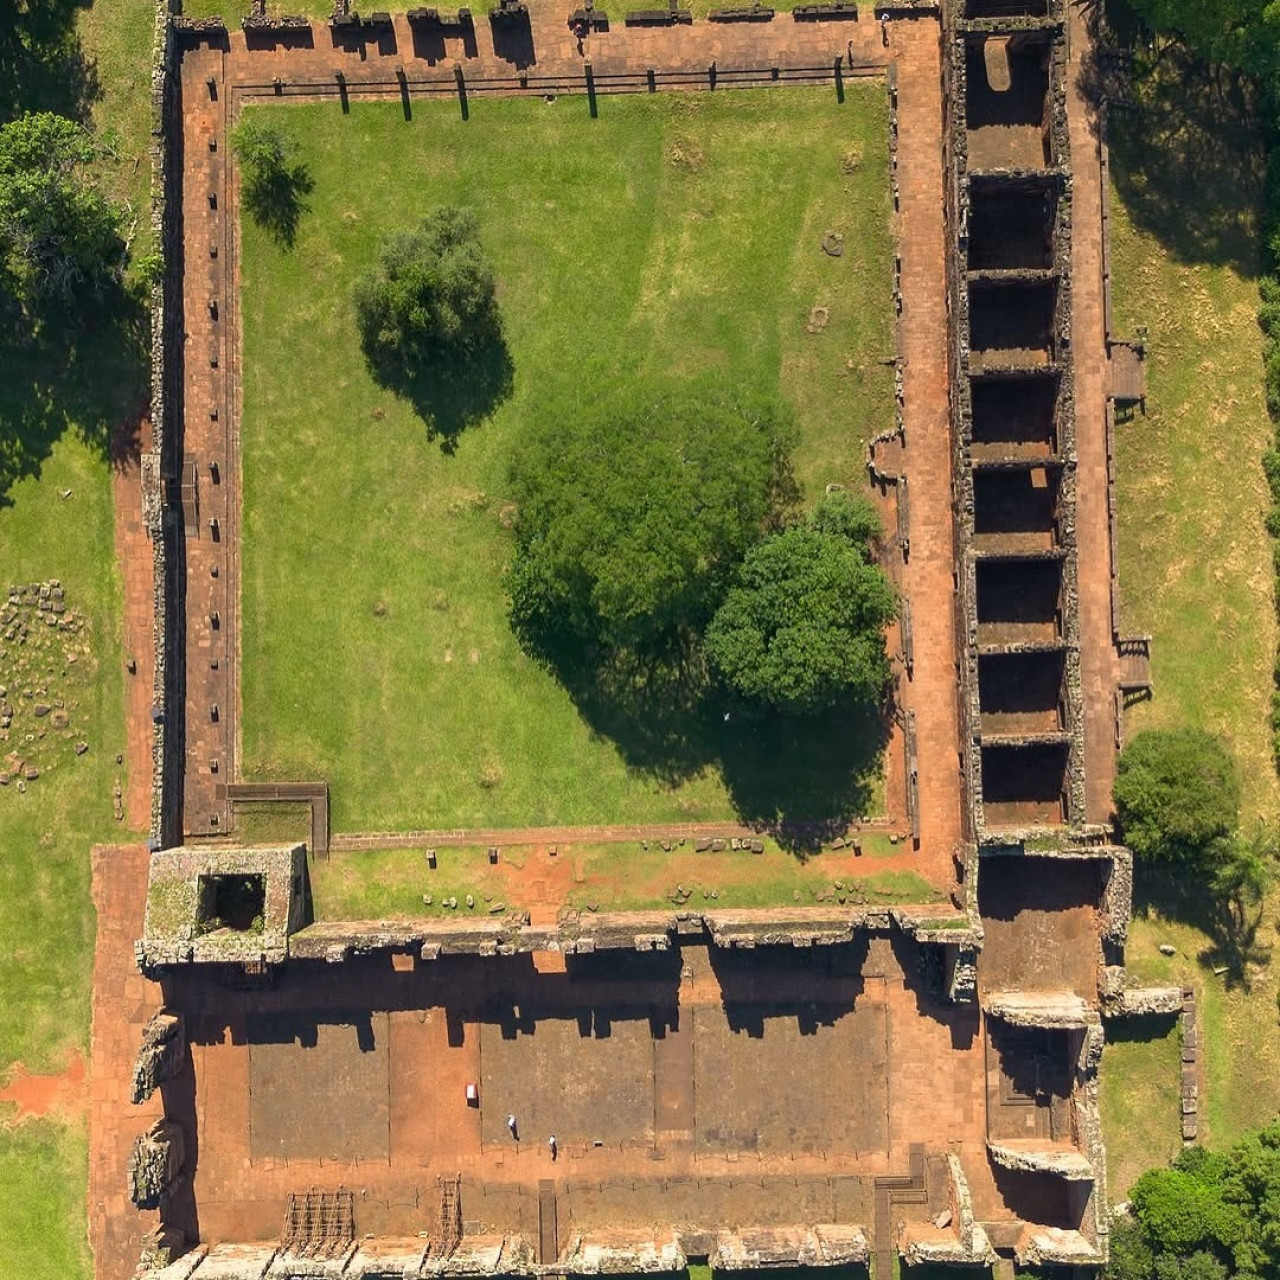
column 63, row 1094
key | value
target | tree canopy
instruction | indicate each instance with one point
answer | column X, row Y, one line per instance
column 59, row 235
column 802, row 626
column 1177, row 794
column 432, row 292
column 430, row 326
column 634, row 513
column 1209, row 1217
column 274, row 182
column 1241, row 33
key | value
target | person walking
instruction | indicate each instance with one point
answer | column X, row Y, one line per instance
column 551, row 1142
column 511, row 1127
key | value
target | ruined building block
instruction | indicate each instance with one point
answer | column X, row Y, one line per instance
column 155, row 1164
column 162, row 1055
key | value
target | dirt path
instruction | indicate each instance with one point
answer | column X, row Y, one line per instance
column 64, row 1094
column 133, row 554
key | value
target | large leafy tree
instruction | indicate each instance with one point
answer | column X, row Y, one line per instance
column 802, row 627
column 634, row 513
column 59, row 235
column 430, row 326
column 433, row 293
column 1177, row 794
column 274, row 181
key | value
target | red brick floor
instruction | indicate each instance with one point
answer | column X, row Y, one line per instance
column 133, row 552
column 123, row 1000
column 1098, row 663
column 928, row 576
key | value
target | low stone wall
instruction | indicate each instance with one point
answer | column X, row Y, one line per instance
column 160, row 465
column 617, row 1253
column 958, row 1242
column 585, row 933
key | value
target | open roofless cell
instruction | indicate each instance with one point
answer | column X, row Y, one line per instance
column 1014, row 418
column 1019, row 601
column 1007, row 84
column 1011, row 224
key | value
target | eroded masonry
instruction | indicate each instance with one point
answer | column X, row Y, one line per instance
column 627, row 1092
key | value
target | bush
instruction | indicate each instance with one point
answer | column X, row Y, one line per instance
column 852, row 518
column 273, row 183
column 429, row 323
column 1177, row 793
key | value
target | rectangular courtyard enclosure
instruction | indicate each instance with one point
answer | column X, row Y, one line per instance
column 742, row 234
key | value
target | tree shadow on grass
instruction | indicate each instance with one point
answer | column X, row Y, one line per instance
column 43, row 66
column 449, row 391
column 1233, row 929
column 1188, row 155
column 276, row 201
column 801, row 779
column 86, row 373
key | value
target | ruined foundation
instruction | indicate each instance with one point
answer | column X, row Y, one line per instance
column 911, row 1082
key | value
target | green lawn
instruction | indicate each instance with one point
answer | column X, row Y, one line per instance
column 1194, row 558
column 58, row 405
column 1195, row 570
column 674, row 234
column 44, row 1170
column 1140, row 1098
column 390, row 884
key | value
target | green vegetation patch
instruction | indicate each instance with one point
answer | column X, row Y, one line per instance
column 392, row 884
column 44, row 1167
column 1194, row 557
column 1141, row 1098
column 675, row 236
column 46, row 917
column 1195, row 565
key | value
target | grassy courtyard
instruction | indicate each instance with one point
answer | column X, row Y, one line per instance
column 673, row 235
column 391, row 884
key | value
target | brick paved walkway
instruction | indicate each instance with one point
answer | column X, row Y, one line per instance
column 210, row 299
column 1098, row 663
column 133, row 552
column 122, row 1002
column 928, row 575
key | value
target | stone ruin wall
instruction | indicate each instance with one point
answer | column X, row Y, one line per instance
column 957, row 170
column 160, row 465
